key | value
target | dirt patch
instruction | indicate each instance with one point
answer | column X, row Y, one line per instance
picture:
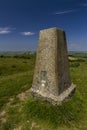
column 9, row 102
column 34, row 125
column 2, row 116
column 2, row 113
column 19, row 128
column 22, row 96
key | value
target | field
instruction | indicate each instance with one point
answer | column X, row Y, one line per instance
column 19, row 111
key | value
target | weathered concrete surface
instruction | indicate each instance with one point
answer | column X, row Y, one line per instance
column 52, row 77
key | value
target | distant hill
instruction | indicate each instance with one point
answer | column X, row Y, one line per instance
column 13, row 53
column 78, row 54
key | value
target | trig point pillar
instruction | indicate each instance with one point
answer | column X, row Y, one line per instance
column 51, row 81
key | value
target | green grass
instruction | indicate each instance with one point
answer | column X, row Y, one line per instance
column 15, row 77
column 9, row 66
column 72, row 114
column 14, row 84
column 35, row 114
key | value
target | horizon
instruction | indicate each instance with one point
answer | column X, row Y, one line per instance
column 21, row 21
column 36, row 51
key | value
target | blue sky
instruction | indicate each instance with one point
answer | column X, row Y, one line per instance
column 21, row 21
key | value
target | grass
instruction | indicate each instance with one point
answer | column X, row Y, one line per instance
column 15, row 77
column 9, row 66
column 14, row 84
column 72, row 114
column 32, row 114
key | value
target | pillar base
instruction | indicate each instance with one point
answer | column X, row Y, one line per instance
column 55, row 100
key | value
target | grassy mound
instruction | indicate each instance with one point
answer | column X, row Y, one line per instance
column 30, row 114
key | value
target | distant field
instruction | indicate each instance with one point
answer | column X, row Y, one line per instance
column 19, row 111
column 78, row 54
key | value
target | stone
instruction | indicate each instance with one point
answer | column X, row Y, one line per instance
column 51, row 81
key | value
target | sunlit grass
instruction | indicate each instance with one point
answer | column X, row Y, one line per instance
column 35, row 114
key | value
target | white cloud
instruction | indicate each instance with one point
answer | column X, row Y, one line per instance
column 74, row 47
column 85, row 4
column 5, row 30
column 27, row 33
column 64, row 12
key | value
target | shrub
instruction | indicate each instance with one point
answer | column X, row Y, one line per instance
column 13, row 66
column 75, row 64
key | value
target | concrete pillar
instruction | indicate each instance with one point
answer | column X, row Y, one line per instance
column 51, row 79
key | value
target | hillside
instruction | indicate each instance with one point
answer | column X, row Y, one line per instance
column 18, row 109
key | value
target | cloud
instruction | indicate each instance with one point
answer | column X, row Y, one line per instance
column 74, row 46
column 64, row 12
column 5, row 30
column 27, row 33
column 85, row 4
